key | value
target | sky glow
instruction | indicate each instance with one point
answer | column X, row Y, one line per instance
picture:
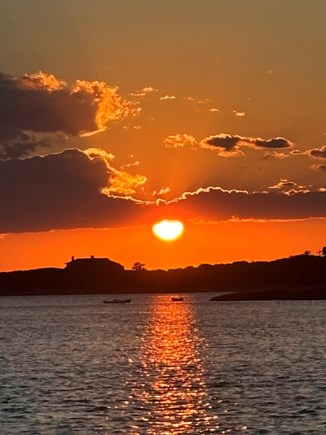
column 209, row 112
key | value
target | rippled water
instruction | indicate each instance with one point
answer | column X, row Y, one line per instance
column 72, row 365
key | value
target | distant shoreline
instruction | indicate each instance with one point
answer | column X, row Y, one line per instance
column 301, row 277
column 307, row 294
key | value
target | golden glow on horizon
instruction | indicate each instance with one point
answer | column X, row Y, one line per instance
column 198, row 244
column 168, row 230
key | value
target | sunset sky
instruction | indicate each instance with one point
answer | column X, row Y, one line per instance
column 116, row 114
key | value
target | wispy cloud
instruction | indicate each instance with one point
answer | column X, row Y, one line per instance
column 239, row 114
column 162, row 192
column 276, row 155
column 198, row 100
column 143, row 92
column 168, row 98
column 120, row 182
column 180, row 140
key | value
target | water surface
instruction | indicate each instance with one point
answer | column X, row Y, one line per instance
column 73, row 365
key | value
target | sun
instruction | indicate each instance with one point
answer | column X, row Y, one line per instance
column 168, row 230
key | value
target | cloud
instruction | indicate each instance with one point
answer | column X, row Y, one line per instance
column 318, row 153
column 64, row 190
column 23, row 144
column 41, row 103
column 229, row 142
column 121, row 182
column 197, row 100
column 283, row 184
column 290, row 187
column 162, row 192
column 143, row 92
column 27, row 142
column 239, row 114
column 318, row 168
column 229, row 145
column 168, row 98
column 130, row 165
column 276, row 155
column 297, row 153
column 214, row 110
column 215, row 203
column 181, row 140
column 226, row 145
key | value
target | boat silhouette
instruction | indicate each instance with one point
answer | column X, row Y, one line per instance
column 116, row 301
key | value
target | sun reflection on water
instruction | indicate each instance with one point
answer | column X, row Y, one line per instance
column 171, row 391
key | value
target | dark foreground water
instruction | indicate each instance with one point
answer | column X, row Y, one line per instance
column 72, row 365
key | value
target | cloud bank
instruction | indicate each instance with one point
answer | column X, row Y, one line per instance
column 215, row 203
column 76, row 189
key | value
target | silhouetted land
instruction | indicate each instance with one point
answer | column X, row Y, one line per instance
column 298, row 277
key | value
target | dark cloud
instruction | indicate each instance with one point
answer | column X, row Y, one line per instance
column 227, row 145
column 229, row 142
column 224, row 141
column 21, row 146
column 318, row 153
column 27, row 142
column 42, row 103
column 215, row 203
column 59, row 191
column 276, row 142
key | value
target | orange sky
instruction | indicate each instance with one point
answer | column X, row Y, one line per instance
column 207, row 112
column 201, row 243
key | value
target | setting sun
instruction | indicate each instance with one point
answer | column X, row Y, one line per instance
column 168, row 230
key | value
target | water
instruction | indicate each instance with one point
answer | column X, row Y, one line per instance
column 72, row 365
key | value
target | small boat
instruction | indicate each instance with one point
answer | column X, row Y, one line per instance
column 116, row 301
column 177, row 299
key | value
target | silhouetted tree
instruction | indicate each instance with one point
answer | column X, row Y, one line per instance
column 138, row 266
column 323, row 251
column 307, row 252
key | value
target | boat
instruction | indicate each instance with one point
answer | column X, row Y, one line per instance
column 116, row 301
column 177, row 299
